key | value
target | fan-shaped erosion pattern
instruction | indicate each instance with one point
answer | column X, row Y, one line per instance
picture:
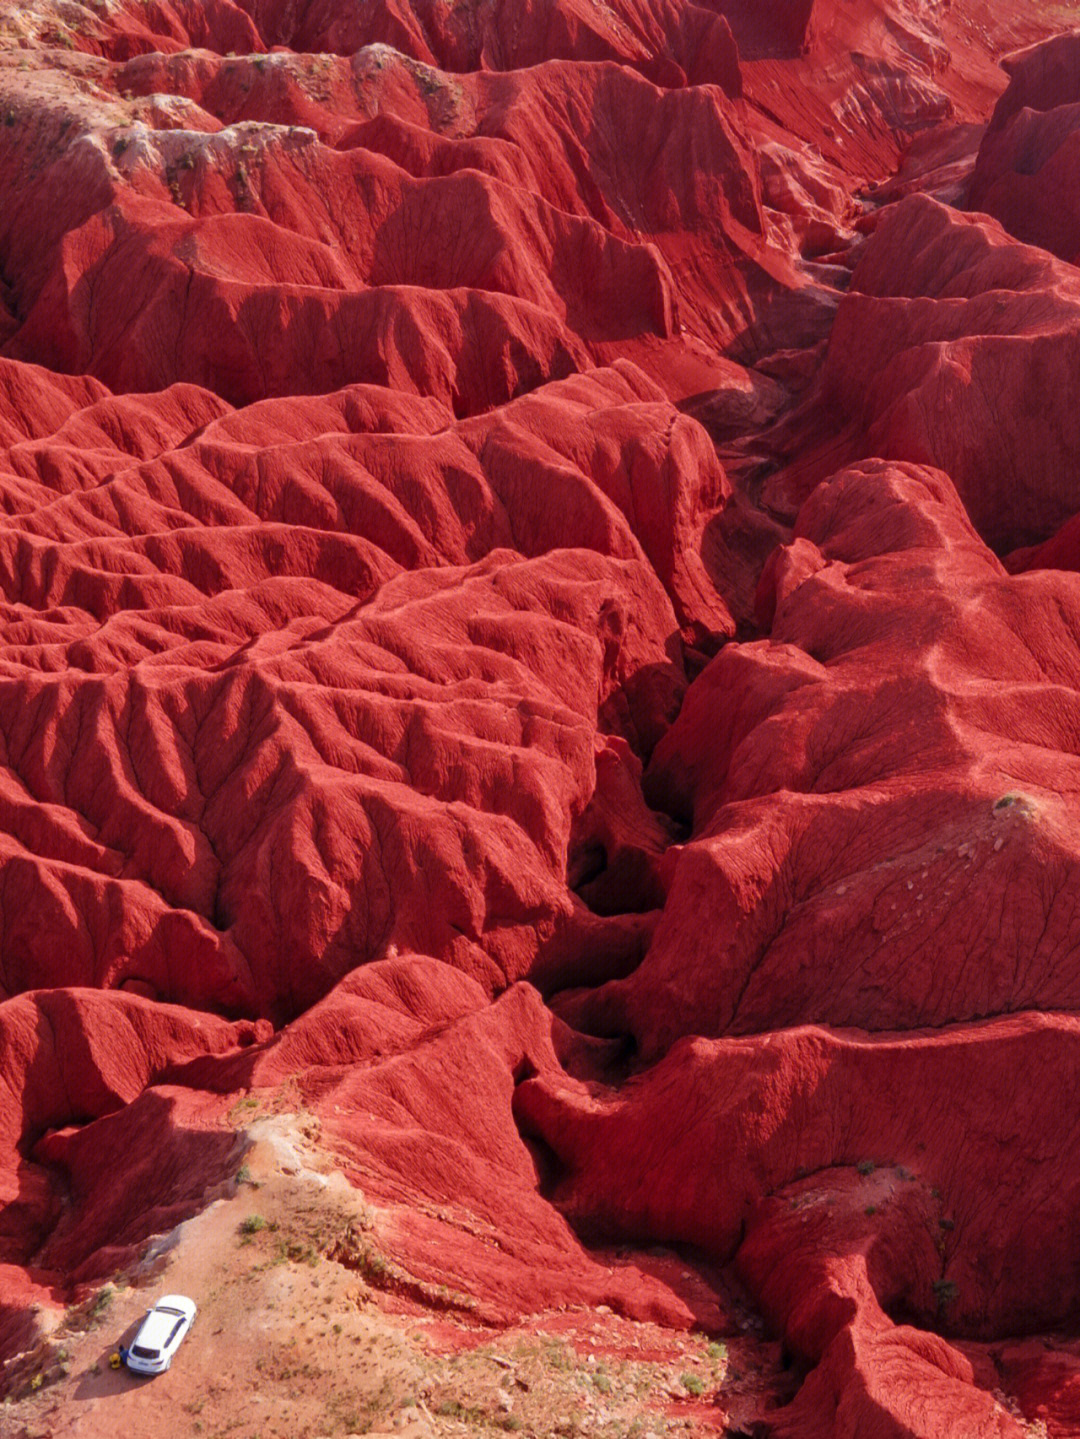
column 540, row 623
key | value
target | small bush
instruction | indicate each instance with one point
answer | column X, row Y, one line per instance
column 558, row 1356
column 693, row 1383
column 865, row 1167
column 252, row 1224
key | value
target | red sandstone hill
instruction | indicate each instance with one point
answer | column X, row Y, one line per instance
column 540, row 581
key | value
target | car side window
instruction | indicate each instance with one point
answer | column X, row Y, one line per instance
column 176, row 1330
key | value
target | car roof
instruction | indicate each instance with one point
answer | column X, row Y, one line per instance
column 155, row 1329
column 158, row 1325
column 178, row 1303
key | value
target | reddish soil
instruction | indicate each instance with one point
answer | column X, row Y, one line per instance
column 540, row 716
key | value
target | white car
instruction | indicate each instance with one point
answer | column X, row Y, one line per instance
column 160, row 1334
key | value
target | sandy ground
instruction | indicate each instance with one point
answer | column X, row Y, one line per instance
column 295, row 1338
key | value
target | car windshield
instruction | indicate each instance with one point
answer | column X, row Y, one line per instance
column 168, row 1309
column 144, row 1353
